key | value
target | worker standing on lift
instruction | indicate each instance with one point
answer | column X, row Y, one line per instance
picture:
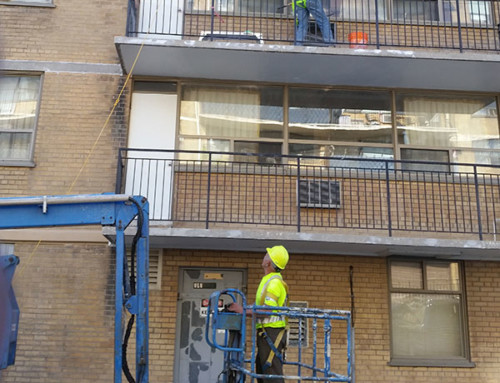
column 271, row 337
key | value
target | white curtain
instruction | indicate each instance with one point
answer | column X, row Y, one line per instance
column 18, row 108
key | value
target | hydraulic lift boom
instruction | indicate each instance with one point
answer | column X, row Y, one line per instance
column 131, row 293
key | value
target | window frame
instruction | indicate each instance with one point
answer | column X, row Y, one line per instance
column 29, row 162
column 462, row 361
column 31, row 3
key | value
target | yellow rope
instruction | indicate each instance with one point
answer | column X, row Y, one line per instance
column 85, row 162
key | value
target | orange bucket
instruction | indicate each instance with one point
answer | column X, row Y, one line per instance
column 358, row 40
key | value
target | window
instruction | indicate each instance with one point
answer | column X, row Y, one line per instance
column 415, row 10
column 19, row 103
column 428, row 326
column 445, row 121
column 231, row 118
column 27, row 2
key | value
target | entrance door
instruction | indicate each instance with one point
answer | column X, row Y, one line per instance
column 196, row 361
column 153, row 118
column 161, row 18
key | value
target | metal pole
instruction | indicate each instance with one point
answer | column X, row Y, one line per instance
column 478, row 204
column 120, row 256
column 208, row 188
column 388, row 187
column 298, row 194
column 119, row 173
column 459, row 25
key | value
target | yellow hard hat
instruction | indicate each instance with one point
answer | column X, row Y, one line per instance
column 278, row 255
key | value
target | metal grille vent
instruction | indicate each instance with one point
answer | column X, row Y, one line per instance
column 319, row 193
column 155, row 261
column 298, row 329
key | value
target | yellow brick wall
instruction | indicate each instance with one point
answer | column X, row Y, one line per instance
column 73, row 31
column 66, row 297
column 65, row 292
column 323, row 281
column 74, row 108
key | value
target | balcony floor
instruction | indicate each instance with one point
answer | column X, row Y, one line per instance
column 409, row 69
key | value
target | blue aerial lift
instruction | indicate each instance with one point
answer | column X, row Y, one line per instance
column 132, row 282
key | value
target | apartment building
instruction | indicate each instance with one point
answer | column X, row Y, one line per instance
column 379, row 151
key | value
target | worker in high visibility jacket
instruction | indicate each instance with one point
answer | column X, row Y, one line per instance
column 302, row 9
column 271, row 328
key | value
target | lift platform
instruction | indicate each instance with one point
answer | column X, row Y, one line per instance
column 132, row 283
column 307, row 362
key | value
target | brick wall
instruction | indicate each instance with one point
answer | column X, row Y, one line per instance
column 74, row 108
column 73, row 31
column 323, row 281
column 66, row 329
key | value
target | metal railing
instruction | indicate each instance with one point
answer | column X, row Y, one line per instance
column 216, row 189
column 448, row 24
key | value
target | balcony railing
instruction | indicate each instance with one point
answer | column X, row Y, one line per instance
column 299, row 193
column 449, row 24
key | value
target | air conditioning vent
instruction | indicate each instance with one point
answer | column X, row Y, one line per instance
column 385, row 118
column 298, row 328
column 155, row 262
column 319, row 194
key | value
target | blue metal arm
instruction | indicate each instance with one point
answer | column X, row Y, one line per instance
column 9, row 311
column 107, row 210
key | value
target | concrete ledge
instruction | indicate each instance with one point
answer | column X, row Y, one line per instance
column 314, row 243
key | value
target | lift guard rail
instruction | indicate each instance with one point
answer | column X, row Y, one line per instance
column 234, row 345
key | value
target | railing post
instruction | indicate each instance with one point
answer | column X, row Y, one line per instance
column 298, row 194
column 478, row 204
column 388, row 187
column 459, row 28
column 208, row 188
column 212, row 16
column 377, row 25
column 119, row 173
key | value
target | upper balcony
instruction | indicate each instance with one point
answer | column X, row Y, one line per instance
column 367, row 205
column 444, row 44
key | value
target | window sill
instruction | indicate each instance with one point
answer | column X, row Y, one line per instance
column 17, row 163
column 459, row 363
column 22, row 4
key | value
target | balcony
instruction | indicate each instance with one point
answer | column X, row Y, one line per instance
column 433, row 24
column 361, row 205
column 410, row 44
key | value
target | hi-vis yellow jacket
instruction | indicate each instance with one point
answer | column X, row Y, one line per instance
column 272, row 291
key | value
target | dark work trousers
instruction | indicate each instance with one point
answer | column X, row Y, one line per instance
column 263, row 350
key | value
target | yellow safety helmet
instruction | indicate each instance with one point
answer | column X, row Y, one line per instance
column 278, row 255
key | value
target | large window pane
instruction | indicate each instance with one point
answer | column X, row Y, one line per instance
column 18, row 108
column 333, row 115
column 442, row 276
column 223, row 111
column 361, row 10
column 415, row 10
column 199, row 144
column 447, row 121
column 407, row 275
column 426, row 325
column 363, row 152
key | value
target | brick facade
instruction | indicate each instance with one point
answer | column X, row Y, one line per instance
column 66, row 331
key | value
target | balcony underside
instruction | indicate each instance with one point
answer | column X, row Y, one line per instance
column 316, row 243
column 310, row 65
